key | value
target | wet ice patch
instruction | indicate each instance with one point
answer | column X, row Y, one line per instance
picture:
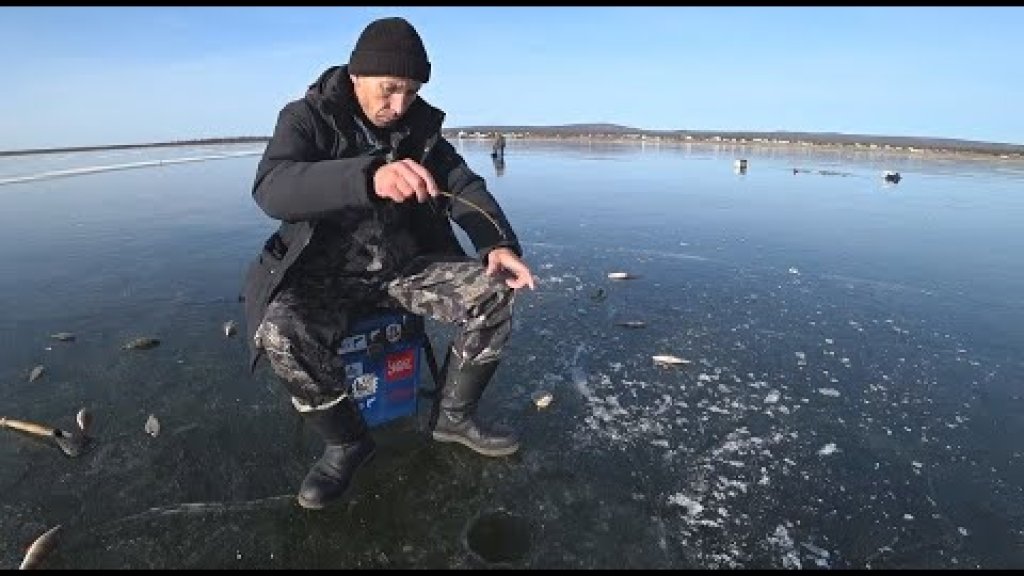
column 579, row 381
column 579, row 375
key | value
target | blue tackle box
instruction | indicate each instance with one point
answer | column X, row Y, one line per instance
column 383, row 356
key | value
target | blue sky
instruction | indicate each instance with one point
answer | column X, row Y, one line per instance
column 84, row 76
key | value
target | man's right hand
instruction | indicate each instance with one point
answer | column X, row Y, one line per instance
column 403, row 180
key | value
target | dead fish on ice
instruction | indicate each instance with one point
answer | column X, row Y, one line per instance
column 144, row 343
column 63, row 336
column 38, row 550
column 669, row 360
column 36, row 373
column 631, row 323
column 620, row 276
column 230, row 328
column 84, row 419
column 152, row 426
column 542, row 398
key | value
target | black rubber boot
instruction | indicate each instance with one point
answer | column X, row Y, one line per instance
column 348, row 446
column 460, row 395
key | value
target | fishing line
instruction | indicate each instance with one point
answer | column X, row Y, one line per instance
column 478, row 209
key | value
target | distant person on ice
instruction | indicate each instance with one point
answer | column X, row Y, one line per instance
column 498, row 150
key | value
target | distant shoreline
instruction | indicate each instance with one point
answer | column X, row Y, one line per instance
column 198, row 142
column 611, row 133
column 898, row 145
column 929, row 153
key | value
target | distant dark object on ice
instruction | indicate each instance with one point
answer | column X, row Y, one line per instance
column 821, row 172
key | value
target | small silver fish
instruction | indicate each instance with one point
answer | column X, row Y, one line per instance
column 39, row 548
column 669, row 360
column 84, row 419
column 620, row 276
column 631, row 324
column 144, row 343
column 36, row 373
column 63, row 336
column 230, row 328
column 542, row 398
column 152, row 426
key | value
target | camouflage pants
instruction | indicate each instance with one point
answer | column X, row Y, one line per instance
column 304, row 324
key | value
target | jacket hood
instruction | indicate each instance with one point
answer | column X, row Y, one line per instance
column 332, row 92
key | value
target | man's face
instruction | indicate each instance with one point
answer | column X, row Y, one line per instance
column 384, row 98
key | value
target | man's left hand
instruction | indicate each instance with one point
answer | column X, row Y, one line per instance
column 505, row 260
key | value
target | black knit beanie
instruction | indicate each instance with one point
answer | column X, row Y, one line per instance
column 390, row 47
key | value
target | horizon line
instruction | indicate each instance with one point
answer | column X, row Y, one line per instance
column 604, row 129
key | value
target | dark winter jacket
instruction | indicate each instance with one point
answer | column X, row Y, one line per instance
column 316, row 177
